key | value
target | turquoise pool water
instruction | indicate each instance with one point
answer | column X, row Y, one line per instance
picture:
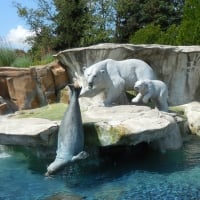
column 122, row 174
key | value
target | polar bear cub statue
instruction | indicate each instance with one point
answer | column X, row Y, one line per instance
column 114, row 78
column 155, row 90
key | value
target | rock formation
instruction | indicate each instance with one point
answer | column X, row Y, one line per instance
column 177, row 66
column 31, row 87
column 103, row 126
column 130, row 125
column 192, row 112
column 28, row 132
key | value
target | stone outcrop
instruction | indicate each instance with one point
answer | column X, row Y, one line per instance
column 177, row 66
column 103, row 126
column 32, row 87
column 192, row 113
column 5, row 106
column 28, row 132
column 130, row 125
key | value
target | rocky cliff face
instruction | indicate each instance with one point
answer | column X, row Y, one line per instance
column 30, row 88
column 177, row 66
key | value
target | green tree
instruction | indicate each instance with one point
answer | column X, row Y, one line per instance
column 133, row 15
column 148, row 35
column 58, row 24
column 189, row 30
column 127, row 18
column 71, row 20
column 101, row 24
column 169, row 36
column 40, row 21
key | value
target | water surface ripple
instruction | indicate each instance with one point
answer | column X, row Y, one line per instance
column 122, row 174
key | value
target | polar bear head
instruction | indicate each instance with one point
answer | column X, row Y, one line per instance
column 141, row 87
column 94, row 77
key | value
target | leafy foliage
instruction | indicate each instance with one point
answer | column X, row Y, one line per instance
column 169, row 36
column 147, row 35
column 70, row 22
column 135, row 15
column 7, row 56
column 60, row 24
column 189, row 30
column 101, row 25
column 22, row 62
column 18, row 58
column 40, row 22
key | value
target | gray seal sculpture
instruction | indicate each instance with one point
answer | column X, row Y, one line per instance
column 70, row 135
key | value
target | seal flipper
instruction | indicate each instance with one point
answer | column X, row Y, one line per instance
column 79, row 156
column 57, row 165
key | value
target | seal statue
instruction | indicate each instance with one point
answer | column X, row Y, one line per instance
column 70, row 135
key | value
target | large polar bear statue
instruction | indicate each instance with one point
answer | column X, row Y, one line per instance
column 114, row 78
column 155, row 90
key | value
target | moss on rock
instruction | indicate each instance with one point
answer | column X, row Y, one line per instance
column 51, row 111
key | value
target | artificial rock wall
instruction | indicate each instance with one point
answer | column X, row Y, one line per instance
column 177, row 66
column 31, row 87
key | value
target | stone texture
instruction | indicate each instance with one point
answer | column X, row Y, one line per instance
column 32, row 87
column 130, row 125
column 28, row 132
column 192, row 113
column 4, row 109
column 103, row 126
column 177, row 66
column 6, row 106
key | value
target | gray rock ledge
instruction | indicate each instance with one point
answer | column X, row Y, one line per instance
column 130, row 125
column 27, row 131
column 192, row 113
column 103, row 126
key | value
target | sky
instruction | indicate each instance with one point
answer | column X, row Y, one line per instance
column 13, row 29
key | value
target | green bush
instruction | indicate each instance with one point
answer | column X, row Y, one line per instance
column 7, row 56
column 46, row 59
column 147, row 35
column 22, row 62
column 170, row 35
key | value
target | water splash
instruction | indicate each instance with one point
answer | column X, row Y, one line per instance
column 3, row 152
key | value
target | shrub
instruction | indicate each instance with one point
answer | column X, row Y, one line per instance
column 18, row 58
column 7, row 56
column 170, row 35
column 46, row 59
column 22, row 61
column 147, row 35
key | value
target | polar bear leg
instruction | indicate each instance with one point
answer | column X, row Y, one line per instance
column 137, row 99
column 162, row 100
column 162, row 104
column 112, row 96
column 114, row 92
column 147, row 97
